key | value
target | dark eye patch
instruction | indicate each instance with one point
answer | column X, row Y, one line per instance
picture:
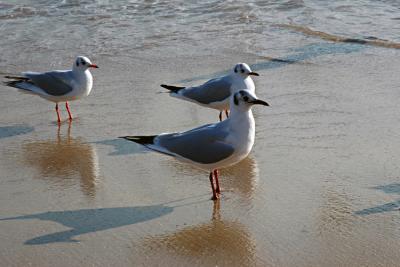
column 77, row 63
column 235, row 69
column 235, row 101
column 83, row 62
column 246, row 98
column 242, row 70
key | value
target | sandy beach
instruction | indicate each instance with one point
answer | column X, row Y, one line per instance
column 320, row 188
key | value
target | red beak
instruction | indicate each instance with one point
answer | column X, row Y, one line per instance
column 93, row 66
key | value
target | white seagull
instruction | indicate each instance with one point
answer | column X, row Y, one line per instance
column 212, row 146
column 216, row 92
column 58, row 85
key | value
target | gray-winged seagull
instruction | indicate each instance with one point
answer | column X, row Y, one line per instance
column 58, row 85
column 216, row 92
column 212, row 146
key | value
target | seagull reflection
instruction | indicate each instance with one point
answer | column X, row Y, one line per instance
column 65, row 162
column 240, row 178
column 215, row 243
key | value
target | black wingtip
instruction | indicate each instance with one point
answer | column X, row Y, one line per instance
column 15, row 81
column 172, row 88
column 11, row 83
column 143, row 140
column 18, row 78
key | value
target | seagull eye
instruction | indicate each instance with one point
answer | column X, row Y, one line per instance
column 246, row 98
column 242, row 70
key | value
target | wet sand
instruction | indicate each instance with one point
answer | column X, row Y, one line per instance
column 320, row 188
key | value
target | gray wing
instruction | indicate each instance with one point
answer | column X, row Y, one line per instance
column 53, row 83
column 204, row 144
column 214, row 90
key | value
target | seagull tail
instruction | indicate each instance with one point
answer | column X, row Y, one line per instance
column 18, row 82
column 143, row 140
column 172, row 88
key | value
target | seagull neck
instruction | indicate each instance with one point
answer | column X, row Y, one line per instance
column 241, row 114
column 78, row 71
column 238, row 77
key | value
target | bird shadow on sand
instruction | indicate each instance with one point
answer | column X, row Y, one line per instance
column 122, row 147
column 9, row 131
column 299, row 55
column 387, row 207
column 92, row 220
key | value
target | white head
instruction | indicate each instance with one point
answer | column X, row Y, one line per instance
column 83, row 63
column 244, row 100
column 243, row 70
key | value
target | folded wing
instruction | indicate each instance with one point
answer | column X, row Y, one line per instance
column 52, row 83
column 214, row 90
column 203, row 145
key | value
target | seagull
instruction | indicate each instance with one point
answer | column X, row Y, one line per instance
column 58, row 85
column 216, row 92
column 212, row 146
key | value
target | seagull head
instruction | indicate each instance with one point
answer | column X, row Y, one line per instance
column 243, row 70
column 83, row 63
column 244, row 99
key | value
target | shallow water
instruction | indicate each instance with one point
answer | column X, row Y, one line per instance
column 320, row 188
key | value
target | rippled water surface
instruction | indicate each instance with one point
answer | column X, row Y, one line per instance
column 320, row 188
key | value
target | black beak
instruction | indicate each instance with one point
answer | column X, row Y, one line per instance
column 259, row 102
column 254, row 73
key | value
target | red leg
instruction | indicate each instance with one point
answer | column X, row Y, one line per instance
column 214, row 197
column 69, row 111
column 220, row 116
column 226, row 113
column 218, row 189
column 58, row 114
